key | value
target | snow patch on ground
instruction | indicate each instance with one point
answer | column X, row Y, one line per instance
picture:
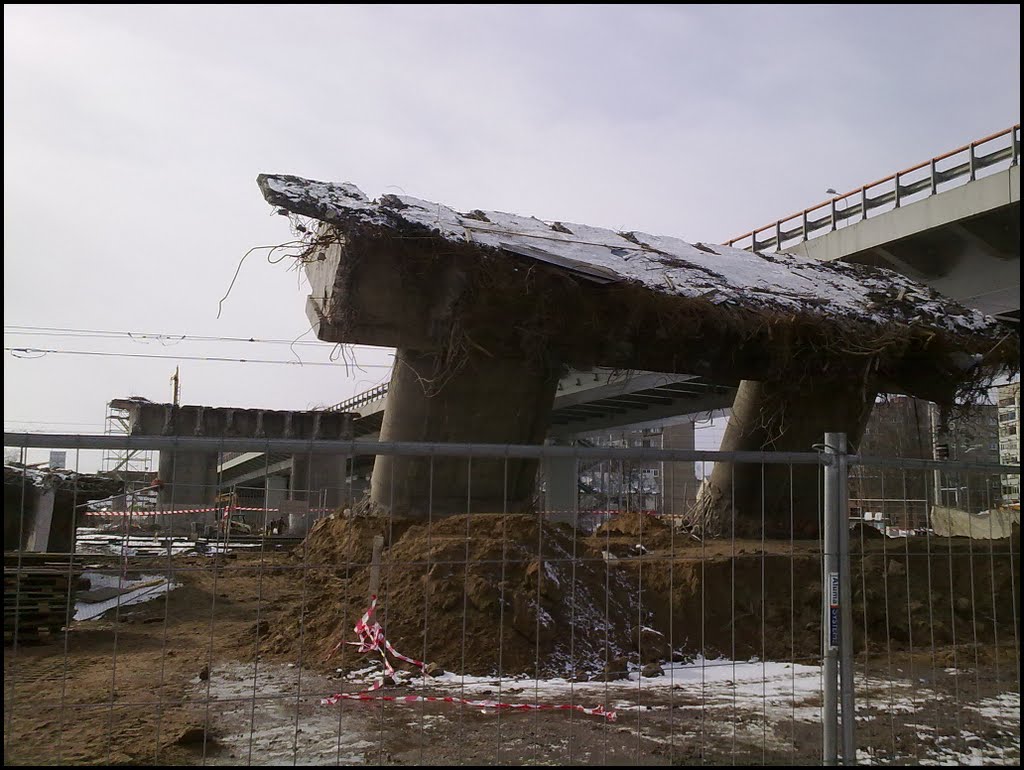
column 149, row 587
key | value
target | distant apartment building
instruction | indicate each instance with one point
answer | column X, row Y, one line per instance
column 1008, row 404
column 643, row 485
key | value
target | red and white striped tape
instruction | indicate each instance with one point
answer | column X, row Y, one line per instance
column 195, row 510
column 371, row 638
column 246, row 508
column 597, row 711
column 150, row 513
column 610, row 512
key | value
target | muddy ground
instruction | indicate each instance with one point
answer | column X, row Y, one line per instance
column 229, row 668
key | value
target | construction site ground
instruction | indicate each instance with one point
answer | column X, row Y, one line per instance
column 230, row 666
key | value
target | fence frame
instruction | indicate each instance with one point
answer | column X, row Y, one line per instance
column 839, row 720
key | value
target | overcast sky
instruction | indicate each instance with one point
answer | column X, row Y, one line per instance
column 133, row 137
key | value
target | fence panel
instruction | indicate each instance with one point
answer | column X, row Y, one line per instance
column 281, row 608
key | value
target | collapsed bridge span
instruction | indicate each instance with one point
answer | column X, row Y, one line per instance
column 487, row 308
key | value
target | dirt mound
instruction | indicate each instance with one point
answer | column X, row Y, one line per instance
column 638, row 528
column 481, row 594
column 348, row 540
column 634, row 524
column 906, row 595
column 471, row 593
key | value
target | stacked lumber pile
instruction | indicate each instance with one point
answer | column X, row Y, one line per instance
column 36, row 594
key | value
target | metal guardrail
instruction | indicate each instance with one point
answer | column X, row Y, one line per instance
column 827, row 216
column 856, row 207
column 360, row 399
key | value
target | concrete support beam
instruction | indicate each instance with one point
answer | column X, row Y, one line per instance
column 479, row 399
column 42, row 521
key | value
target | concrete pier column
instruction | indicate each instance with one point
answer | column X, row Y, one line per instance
column 678, row 479
column 317, row 478
column 43, row 520
column 477, row 399
column 189, row 479
column 277, row 491
column 779, row 499
column 561, row 487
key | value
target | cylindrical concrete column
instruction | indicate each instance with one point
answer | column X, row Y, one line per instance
column 778, row 499
column 475, row 399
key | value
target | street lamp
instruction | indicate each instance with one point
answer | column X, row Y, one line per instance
column 836, row 197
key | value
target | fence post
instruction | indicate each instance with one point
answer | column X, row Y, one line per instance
column 845, row 604
column 837, row 615
column 378, row 547
column 830, row 607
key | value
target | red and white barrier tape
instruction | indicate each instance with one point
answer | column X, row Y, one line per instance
column 597, row 711
column 311, row 510
column 150, row 513
column 611, row 512
column 371, row 637
column 195, row 510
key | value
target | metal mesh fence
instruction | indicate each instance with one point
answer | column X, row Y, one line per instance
column 284, row 610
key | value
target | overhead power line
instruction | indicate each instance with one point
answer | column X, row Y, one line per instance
column 95, row 423
column 36, row 353
column 162, row 337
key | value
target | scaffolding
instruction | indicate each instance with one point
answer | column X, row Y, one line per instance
column 123, row 464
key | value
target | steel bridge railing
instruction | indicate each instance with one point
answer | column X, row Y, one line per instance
column 360, row 399
column 887, row 193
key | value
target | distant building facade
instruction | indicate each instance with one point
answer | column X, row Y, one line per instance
column 901, row 426
column 668, row 488
column 1008, row 404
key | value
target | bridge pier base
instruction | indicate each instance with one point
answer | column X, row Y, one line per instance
column 475, row 400
column 779, row 500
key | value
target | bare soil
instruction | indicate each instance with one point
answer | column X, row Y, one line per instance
column 489, row 595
